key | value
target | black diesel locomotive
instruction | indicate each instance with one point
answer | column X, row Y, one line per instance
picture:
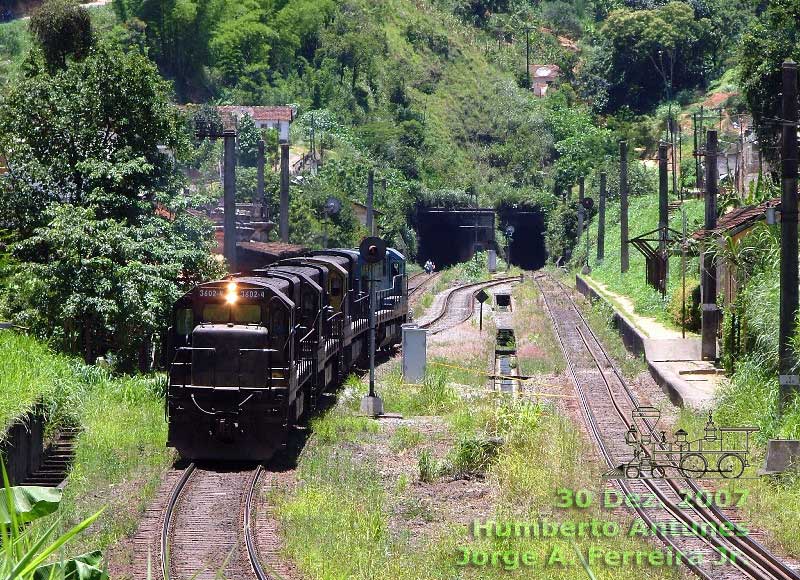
column 251, row 353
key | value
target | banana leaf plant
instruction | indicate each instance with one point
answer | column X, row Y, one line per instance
column 28, row 544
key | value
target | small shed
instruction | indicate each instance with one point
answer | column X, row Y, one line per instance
column 360, row 210
column 542, row 76
column 736, row 225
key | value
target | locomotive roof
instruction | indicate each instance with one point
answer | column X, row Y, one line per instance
column 395, row 253
column 307, row 273
column 337, row 261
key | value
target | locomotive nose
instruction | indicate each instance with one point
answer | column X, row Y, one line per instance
column 230, row 355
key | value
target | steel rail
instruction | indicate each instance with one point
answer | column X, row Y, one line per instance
column 249, row 539
column 168, row 513
column 754, row 551
column 670, row 505
column 247, row 523
column 424, row 284
column 471, row 308
column 591, row 422
column 778, row 568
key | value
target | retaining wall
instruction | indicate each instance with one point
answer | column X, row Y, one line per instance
column 22, row 447
column 631, row 337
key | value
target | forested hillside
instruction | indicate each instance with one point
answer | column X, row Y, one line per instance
column 432, row 95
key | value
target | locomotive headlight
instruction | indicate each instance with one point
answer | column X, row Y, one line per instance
column 231, row 296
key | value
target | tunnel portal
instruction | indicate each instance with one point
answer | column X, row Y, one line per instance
column 448, row 236
column 528, row 249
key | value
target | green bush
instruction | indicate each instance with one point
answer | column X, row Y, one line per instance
column 472, row 456
column 676, row 314
column 428, row 466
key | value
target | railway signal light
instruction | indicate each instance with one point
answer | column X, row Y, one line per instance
column 372, row 249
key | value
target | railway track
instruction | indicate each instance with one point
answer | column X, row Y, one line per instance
column 207, row 529
column 421, row 281
column 607, row 403
column 458, row 304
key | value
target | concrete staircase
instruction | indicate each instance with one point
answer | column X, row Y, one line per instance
column 57, row 461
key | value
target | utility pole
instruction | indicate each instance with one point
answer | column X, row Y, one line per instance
column 370, row 201
column 601, row 220
column 623, row 206
column 663, row 212
column 528, row 58
column 789, row 244
column 229, row 201
column 260, row 197
column 696, row 153
column 663, row 195
column 710, row 320
column 581, row 193
column 674, row 142
column 701, row 135
column 284, row 217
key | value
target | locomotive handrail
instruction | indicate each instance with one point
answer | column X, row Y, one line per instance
column 257, row 350
column 201, row 409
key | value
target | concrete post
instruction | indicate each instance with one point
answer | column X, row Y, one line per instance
column 229, row 200
column 789, row 242
column 283, row 225
column 601, row 220
column 370, row 201
column 710, row 319
column 624, row 260
column 260, row 197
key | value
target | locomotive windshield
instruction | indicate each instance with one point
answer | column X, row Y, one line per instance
column 236, row 313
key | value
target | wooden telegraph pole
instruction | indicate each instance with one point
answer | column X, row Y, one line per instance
column 710, row 319
column 581, row 194
column 789, row 244
column 623, row 206
column 601, row 220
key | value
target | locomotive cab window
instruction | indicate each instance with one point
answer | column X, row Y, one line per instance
column 238, row 313
column 279, row 322
column 184, row 321
column 308, row 305
column 336, row 286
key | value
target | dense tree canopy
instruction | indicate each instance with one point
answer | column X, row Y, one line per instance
column 62, row 28
column 645, row 55
column 772, row 39
column 88, row 167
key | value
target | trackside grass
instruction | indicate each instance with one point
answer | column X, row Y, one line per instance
column 120, row 455
column 644, row 218
column 120, row 451
column 399, row 498
column 30, row 374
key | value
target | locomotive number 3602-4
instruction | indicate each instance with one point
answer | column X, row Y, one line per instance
column 218, row 292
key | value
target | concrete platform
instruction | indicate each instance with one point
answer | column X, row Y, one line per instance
column 675, row 363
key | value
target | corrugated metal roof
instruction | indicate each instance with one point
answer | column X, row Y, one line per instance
column 739, row 219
